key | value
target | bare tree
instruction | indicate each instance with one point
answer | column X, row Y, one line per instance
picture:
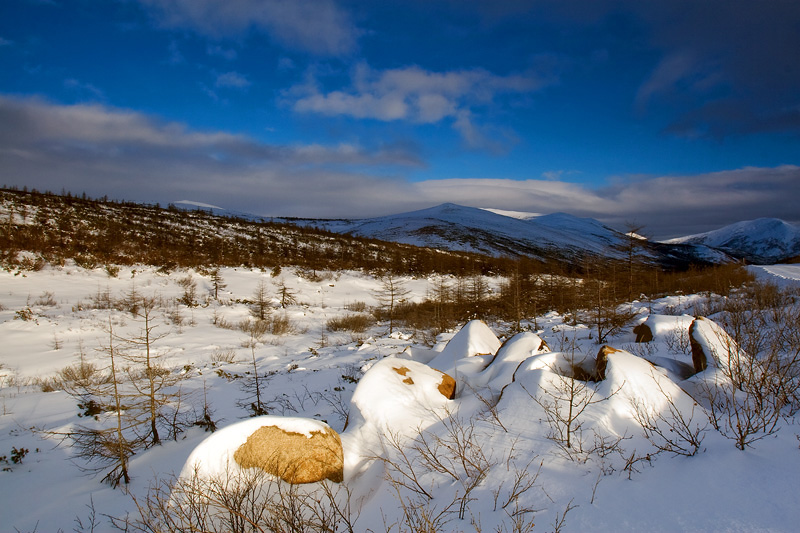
column 108, row 446
column 286, row 294
column 261, row 305
column 217, row 283
column 255, row 330
column 391, row 293
column 154, row 384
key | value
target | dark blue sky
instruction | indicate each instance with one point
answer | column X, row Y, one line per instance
column 681, row 115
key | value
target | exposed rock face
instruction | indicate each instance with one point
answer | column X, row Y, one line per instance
column 602, row 361
column 699, row 357
column 643, row 333
column 447, row 387
column 294, row 457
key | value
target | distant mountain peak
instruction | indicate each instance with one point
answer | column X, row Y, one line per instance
column 760, row 241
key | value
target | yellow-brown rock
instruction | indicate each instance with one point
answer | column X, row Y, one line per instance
column 294, row 457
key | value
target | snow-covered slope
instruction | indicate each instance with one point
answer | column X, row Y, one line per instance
column 456, row 227
column 512, row 233
column 760, row 241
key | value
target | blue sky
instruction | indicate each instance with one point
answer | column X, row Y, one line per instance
column 678, row 115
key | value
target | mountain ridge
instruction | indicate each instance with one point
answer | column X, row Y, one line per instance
column 500, row 233
column 759, row 241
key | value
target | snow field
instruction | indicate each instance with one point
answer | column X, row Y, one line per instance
column 498, row 385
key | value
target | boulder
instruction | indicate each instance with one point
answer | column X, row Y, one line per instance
column 601, row 362
column 397, row 395
column 294, row 457
column 295, row 449
column 470, row 350
column 712, row 346
column 643, row 333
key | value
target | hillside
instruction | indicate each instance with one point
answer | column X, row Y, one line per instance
column 762, row 241
column 98, row 232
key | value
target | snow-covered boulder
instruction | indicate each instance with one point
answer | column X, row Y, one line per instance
column 514, row 351
column 397, row 395
column 633, row 383
column 294, row 457
column 712, row 346
column 657, row 326
column 468, row 352
column 297, row 450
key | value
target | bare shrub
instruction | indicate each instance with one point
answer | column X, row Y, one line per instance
column 355, row 323
column 102, row 299
column 48, row 384
column 189, row 286
column 244, row 502
column 224, row 356
column 641, row 349
column 356, row 307
column 564, row 404
column 452, row 450
column 281, row 325
column 678, row 342
column 761, row 382
column 671, row 431
column 46, row 299
column 746, row 405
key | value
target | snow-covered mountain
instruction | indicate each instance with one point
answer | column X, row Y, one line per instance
column 501, row 233
column 456, row 227
column 761, row 241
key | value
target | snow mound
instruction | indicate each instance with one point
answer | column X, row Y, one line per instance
column 662, row 325
column 633, row 383
column 474, row 339
column 398, row 396
column 511, row 354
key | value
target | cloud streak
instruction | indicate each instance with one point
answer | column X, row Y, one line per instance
column 317, row 26
column 102, row 150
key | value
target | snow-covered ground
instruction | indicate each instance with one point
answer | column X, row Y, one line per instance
column 780, row 275
column 621, row 486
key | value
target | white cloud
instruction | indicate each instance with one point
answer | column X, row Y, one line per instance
column 232, row 79
column 411, row 93
column 316, row 26
column 124, row 154
column 417, row 95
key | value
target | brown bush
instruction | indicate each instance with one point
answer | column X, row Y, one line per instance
column 353, row 322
